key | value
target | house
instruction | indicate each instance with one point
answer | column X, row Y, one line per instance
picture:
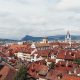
column 7, row 72
column 23, row 56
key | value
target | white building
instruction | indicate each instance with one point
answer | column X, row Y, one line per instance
column 23, row 56
column 35, row 57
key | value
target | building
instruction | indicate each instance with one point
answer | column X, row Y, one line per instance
column 68, row 38
column 23, row 56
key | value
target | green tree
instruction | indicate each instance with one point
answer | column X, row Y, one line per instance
column 52, row 65
column 22, row 74
column 77, row 61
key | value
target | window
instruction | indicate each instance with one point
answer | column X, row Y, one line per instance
column 0, row 75
column 69, row 65
column 63, row 65
column 72, row 54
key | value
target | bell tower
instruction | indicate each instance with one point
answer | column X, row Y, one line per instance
column 45, row 40
column 68, row 38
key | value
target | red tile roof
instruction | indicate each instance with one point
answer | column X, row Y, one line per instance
column 7, row 73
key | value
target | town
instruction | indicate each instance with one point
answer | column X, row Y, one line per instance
column 43, row 60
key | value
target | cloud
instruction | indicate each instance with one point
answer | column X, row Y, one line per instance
column 20, row 17
column 65, row 14
column 38, row 17
column 68, row 4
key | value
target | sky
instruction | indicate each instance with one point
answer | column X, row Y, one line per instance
column 38, row 18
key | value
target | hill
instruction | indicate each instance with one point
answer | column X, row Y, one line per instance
column 56, row 37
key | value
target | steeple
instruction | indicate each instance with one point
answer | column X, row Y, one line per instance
column 45, row 40
column 68, row 38
column 68, row 35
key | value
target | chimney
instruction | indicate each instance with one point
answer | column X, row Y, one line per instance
column 74, row 56
column 65, row 53
column 70, row 73
column 67, row 63
column 75, row 71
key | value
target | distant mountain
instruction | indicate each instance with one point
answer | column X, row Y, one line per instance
column 56, row 37
column 7, row 40
column 31, row 38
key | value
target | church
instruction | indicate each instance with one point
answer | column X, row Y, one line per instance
column 68, row 38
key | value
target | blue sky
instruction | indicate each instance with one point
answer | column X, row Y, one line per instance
column 38, row 17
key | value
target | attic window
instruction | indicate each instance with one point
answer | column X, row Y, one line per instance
column 72, row 54
column 55, row 53
column 33, row 70
column 63, row 65
column 1, row 66
column 0, row 75
column 57, row 65
column 69, row 65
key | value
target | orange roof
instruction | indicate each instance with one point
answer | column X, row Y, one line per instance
column 42, row 44
column 6, row 73
column 67, row 77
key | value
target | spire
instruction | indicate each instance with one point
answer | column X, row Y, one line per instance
column 68, row 34
column 68, row 37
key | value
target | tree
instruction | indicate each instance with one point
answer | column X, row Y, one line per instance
column 77, row 61
column 22, row 74
column 52, row 65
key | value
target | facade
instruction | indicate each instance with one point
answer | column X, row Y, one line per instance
column 23, row 56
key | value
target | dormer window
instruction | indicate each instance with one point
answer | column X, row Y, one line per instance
column 33, row 70
column 63, row 65
column 0, row 75
column 57, row 65
column 69, row 65
column 55, row 53
column 72, row 54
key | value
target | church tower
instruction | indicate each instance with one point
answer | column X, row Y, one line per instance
column 45, row 40
column 68, row 38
